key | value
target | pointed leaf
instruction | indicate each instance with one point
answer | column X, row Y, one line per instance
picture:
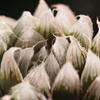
column 39, row 78
column 9, row 72
column 28, row 37
column 76, row 54
column 66, row 84
column 84, row 26
column 25, row 20
column 59, row 49
column 93, row 92
column 25, row 91
column 83, row 39
column 47, row 26
column 10, row 21
column 42, row 6
column 23, row 59
column 90, row 72
column 52, row 67
column 96, row 42
column 65, row 17
column 5, row 37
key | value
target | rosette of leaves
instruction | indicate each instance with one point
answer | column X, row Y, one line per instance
column 10, row 74
column 66, row 84
column 28, row 37
column 59, row 49
column 25, row 91
column 76, row 54
column 38, row 77
column 52, row 67
column 65, row 17
column 83, row 31
column 93, row 92
column 96, row 42
column 90, row 72
column 26, row 20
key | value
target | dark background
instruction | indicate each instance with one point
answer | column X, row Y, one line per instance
column 14, row 8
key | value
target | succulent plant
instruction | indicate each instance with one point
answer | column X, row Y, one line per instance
column 47, row 56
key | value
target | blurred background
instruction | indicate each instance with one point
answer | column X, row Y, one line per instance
column 14, row 8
